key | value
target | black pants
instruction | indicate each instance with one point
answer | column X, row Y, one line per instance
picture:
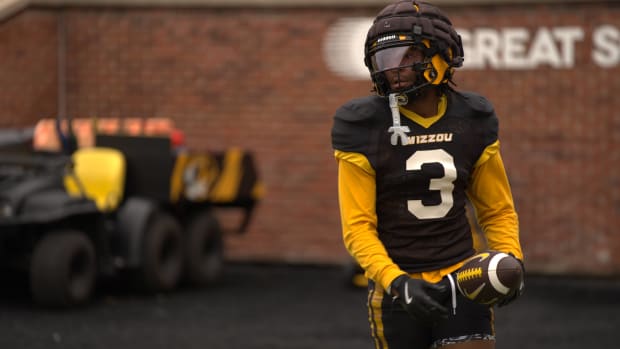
column 393, row 328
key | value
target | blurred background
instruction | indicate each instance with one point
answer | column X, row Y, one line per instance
column 268, row 75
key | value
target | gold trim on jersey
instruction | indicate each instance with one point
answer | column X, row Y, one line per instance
column 357, row 159
column 487, row 153
column 426, row 122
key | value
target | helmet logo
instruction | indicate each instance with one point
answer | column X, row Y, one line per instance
column 386, row 24
column 387, row 38
column 390, row 37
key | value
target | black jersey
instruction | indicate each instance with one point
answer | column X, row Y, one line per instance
column 420, row 199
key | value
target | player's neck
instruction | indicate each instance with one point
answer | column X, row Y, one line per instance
column 426, row 104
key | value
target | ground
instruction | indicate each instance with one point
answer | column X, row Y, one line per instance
column 292, row 307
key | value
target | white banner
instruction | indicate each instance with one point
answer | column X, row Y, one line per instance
column 510, row 48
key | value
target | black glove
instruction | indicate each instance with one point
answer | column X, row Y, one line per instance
column 421, row 299
column 511, row 297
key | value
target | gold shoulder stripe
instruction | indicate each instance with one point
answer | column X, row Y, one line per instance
column 487, row 153
column 355, row 158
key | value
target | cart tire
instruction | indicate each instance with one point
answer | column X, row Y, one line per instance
column 204, row 250
column 63, row 269
column 162, row 254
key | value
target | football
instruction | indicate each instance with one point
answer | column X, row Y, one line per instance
column 489, row 276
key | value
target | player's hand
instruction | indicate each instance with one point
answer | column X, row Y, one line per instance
column 421, row 299
column 517, row 292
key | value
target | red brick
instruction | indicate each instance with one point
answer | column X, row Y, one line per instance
column 256, row 78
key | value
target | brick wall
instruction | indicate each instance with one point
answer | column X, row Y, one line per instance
column 256, row 78
column 28, row 69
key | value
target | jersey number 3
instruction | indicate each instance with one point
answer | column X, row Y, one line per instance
column 445, row 184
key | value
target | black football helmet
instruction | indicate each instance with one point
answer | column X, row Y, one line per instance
column 412, row 25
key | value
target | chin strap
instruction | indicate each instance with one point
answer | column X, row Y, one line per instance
column 396, row 129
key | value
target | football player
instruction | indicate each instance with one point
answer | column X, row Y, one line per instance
column 409, row 157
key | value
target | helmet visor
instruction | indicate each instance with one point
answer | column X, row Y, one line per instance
column 396, row 57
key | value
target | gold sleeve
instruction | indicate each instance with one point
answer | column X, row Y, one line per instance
column 492, row 200
column 356, row 193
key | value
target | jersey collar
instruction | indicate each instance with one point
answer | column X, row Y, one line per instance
column 429, row 121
